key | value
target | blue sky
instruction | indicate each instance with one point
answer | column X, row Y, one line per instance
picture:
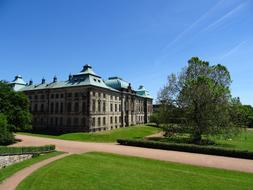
column 142, row 41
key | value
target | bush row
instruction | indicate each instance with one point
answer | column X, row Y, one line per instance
column 188, row 148
column 26, row 150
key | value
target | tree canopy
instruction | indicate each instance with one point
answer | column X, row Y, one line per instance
column 14, row 109
column 199, row 100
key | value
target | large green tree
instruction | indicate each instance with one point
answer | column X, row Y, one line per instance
column 15, row 106
column 199, row 99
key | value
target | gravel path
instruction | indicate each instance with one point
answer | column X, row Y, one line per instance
column 75, row 147
column 12, row 182
column 174, row 156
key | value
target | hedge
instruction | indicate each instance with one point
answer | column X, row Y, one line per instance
column 26, row 150
column 188, row 148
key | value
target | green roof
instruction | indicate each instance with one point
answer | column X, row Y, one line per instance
column 86, row 77
column 143, row 92
column 117, row 83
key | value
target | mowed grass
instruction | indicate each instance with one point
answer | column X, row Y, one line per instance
column 101, row 171
column 135, row 132
column 243, row 141
column 10, row 170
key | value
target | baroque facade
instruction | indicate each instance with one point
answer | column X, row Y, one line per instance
column 85, row 102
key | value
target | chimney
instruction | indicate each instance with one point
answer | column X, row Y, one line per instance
column 55, row 79
column 43, row 81
column 70, row 76
column 31, row 82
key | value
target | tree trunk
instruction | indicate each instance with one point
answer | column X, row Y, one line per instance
column 196, row 137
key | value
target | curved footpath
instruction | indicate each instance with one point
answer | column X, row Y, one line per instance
column 75, row 147
column 12, row 182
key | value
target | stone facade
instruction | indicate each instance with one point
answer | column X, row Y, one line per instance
column 13, row 159
column 87, row 103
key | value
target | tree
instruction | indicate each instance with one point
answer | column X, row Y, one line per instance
column 6, row 137
column 15, row 106
column 201, row 96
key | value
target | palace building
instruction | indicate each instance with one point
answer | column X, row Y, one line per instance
column 85, row 102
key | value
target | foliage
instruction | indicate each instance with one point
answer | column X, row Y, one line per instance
column 155, row 118
column 101, row 171
column 26, row 150
column 6, row 137
column 188, row 148
column 15, row 106
column 248, row 114
column 198, row 100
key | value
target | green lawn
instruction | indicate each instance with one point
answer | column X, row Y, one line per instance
column 101, row 171
column 10, row 170
column 243, row 141
column 139, row 131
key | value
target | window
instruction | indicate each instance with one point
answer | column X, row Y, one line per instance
column 69, row 95
column 35, row 97
column 52, row 107
column 104, row 122
column 93, row 121
column 99, row 121
column 69, row 121
column 119, row 119
column 83, row 121
column 76, row 121
column 94, row 93
column 120, row 108
column 52, row 96
column 42, row 107
column 84, row 107
column 60, row 120
column 56, row 107
column 111, row 120
column 42, row 96
column 93, row 105
column 104, row 95
column 116, row 107
column 76, row 95
column 56, row 121
column 56, row 96
column 104, row 106
column 76, row 107
column 69, row 107
column 61, row 109
column 116, row 119
column 99, row 105
column 62, row 95
column 111, row 108
column 99, row 95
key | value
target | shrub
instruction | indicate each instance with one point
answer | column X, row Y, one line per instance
column 26, row 150
column 188, row 148
column 6, row 137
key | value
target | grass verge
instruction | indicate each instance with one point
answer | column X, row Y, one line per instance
column 101, row 171
column 10, row 170
column 134, row 132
